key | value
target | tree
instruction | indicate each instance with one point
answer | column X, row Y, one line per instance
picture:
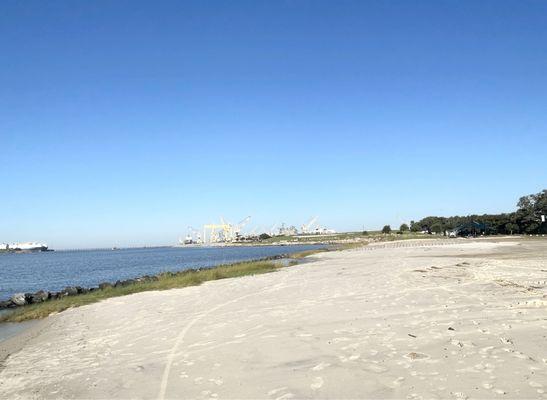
column 264, row 236
column 530, row 210
column 436, row 227
column 512, row 228
column 404, row 228
column 386, row 229
column 364, row 233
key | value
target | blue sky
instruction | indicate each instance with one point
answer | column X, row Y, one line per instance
column 123, row 122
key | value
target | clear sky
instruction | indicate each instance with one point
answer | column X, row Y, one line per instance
column 123, row 122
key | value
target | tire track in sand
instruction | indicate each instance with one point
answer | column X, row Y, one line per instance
column 182, row 334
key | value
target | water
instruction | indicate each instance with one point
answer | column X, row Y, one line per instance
column 10, row 329
column 30, row 272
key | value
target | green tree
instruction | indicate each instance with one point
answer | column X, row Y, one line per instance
column 530, row 210
column 386, row 229
column 404, row 228
column 512, row 228
column 436, row 227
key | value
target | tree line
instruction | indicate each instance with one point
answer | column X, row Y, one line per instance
column 529, row 218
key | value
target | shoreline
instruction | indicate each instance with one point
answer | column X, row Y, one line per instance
column 35, row 292
column 74, row 296
column 394, row 319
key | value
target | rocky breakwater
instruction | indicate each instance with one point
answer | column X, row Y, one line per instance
column 23, row 299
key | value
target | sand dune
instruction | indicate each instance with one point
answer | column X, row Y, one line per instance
column 454, row 319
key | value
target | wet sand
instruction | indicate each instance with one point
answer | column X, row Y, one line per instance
column 448, row 319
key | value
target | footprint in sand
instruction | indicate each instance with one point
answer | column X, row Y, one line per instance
column 317, row 383
column 217, row 381
column 279, row 393
column 320, row 366
column 378, row 369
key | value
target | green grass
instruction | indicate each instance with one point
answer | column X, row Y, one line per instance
column 171, row 280
column 307, row 253
column 168, row 280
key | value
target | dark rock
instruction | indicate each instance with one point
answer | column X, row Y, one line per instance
column 39, row 297
column 81, row 290
column 18, row 299
column 57, row 295
column 5, row 304
column 125, row 283
column 105, row 285
column 70, row 291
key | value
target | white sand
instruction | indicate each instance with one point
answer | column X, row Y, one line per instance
column 465, row 320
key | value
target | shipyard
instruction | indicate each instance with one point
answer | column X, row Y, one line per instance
column 226, row 233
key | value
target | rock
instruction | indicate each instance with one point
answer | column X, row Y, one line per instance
column 81, row 290
column 5, row 304
column 70, row 291
column 57, row 295
column 105, row 285
column 18, row 299
column 39, row 297
column 125, row 283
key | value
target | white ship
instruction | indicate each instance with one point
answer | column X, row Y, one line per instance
column 187, row 240
column 28, row 246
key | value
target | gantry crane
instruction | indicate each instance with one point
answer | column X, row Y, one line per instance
column 306, row 227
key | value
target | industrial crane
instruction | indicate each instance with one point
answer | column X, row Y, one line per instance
column 240, row 226
column 306, row 227
column 194, row 234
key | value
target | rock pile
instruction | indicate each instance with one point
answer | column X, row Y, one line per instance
column 22, row 299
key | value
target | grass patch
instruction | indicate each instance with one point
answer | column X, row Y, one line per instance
column 165, row 281
column 307, row 253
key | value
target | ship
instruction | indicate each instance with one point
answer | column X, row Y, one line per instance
column 28, row 246
column 187, row 240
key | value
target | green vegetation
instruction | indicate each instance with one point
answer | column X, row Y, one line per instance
column 404, row 228
column 527, row 219
column 164, row 281
column 171, row 280
column 386, row 229
column 307, row 253
column 168, row 280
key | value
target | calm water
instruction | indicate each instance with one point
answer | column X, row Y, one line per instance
column 30, row 272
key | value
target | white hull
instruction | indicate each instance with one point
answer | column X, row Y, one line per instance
column 28, row 246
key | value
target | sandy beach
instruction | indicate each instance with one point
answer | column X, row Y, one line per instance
column 429, row 319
